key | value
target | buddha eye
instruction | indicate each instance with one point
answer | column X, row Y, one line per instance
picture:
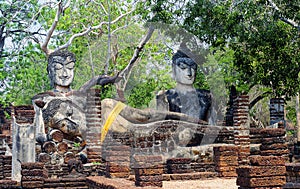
column 58, row 66
column 182, row 65
column 70, row 65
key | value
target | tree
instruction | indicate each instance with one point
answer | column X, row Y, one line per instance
column 262, row 34
column 57, row 25
column 20, row 63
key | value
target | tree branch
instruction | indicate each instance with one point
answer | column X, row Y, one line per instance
column 101, row 5
column 89, row 29
column 137, row 52
column 40, row 9
column 286, row 20
column 52, row 28
column 257, row 99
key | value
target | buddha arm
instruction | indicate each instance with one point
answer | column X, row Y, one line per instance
column 98, row 80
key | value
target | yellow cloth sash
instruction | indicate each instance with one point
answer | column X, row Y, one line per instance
column 111, row 118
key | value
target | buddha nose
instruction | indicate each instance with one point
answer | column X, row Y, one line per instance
column 65, row 73
column 189, row 71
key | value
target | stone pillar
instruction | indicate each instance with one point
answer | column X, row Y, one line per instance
column 148, row 170
column 241, row 128
column 93, row 123
column 276, row 110
column 23, row 149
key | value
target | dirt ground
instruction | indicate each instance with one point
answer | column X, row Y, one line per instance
column 216, row 183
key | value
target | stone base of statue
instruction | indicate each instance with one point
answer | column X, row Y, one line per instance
column 57, row 150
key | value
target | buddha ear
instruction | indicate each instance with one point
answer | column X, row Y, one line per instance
column 173, row 72
column 50, row 76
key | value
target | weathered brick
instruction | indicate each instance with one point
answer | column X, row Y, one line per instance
column 145, row 184
column 273, row 140
column 148, row 159
column 261, row 181
column 225, row 149
column 33, row 172
column 118, row 175
column 260, row 171
column 272, row 132
column 31, row 184
column 117, row 168
column 224, row 169
column 267, row 160
column 36, row 165
column 147, row 172
column 152, row 178
column 275, row 146
column 274, row 152
column 179, row 160
column 228, row 174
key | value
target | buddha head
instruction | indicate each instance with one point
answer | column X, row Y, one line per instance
column 61, row 68
column 184, row 68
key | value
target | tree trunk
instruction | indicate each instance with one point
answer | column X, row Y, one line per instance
column 298, row 118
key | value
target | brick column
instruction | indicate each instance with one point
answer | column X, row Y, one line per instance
column 266, row 170
column 93, row 123
column 6, row 166
column 118, row 161
column 33, row 175
column 241, row 128
column 292, row 175
column 226, row 160
column 117, row 155
column 148, row 170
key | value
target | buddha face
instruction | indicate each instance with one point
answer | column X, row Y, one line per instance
column 62, row 71
column 184, row 71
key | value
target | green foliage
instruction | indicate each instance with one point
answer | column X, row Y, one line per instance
column 142, row 94
column 291, row 113
column 7, row 115
column 109, row 91
column 96, row 163
column 265, row 48
column 23, row 70
column 150, row 75
column 290, row 132
column 76, row 144
column 25, row 76
column 19, row 62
